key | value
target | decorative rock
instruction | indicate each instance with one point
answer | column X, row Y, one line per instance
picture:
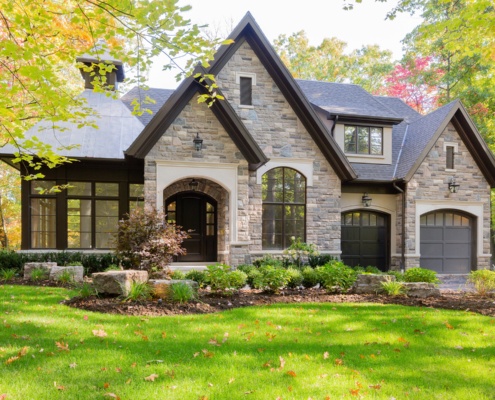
column 421, row 289
column 118, row 282
column 161, row 287
column 77, row 272
column 46, row 266
column 371, row 283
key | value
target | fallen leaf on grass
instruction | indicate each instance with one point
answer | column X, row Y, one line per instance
column 339, row 361
column 3, row 396
column 62, row 346
column 231, row 380
column 151, row 378
column 99, row 333
column 354, row 392
column 23, row 351
column 326, row 355
column 448, row 326
column 73, row 365
column 459, row 348
column 282, row 363
column 106, row 385
column 291, row 373
column 112, row 395
column 11, row 360
column 376, row 387
column 207, row 354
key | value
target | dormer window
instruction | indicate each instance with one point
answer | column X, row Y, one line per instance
column 363, row 140
column 246, row 81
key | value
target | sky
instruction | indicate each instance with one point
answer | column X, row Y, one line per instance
column 320, row 19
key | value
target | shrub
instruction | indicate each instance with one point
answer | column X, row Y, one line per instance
column 319, row 260
column 87, row 290
column 112, row 267
column 310, row 277
column 268, row 260
column 483, row 281
column 237, row 279
column 246, row 268
column 196, row 276
column 7, row 274
column 271, row 278
column 418, row 274
column 336, row 274
column 177, row 275
column 39, row 274
column 181, row 293
column 295, row 278
column 252, row 276
column 399, row 276
column 393, row 288
column 139, row 291
column 217, row 276
column 298, row 252
column 145, row 241
column 359, row 269
column 370, row 269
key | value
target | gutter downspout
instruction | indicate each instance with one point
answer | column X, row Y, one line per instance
column 403, row 198
column 334, row 123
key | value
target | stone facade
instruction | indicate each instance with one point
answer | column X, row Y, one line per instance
column 430, row 183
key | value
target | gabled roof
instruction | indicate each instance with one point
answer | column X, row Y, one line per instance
column 159, row 97
column 348, row 101
column 423, row 133
column 247, row 30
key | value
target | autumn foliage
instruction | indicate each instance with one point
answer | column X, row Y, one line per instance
column 145, row 241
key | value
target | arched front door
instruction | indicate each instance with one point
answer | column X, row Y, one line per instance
column 446, row 241
column 196, row 213
column 365, row 239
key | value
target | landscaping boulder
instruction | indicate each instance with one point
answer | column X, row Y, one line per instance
column 371, row 283
column 30, row 266
column 118, row 282
column 161, row 286
column 76, row 271
column 421, row 289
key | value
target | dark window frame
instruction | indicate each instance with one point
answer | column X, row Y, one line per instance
column 356, row 141
column 283, row 204
column 246, row 91
column 33, row 194
column 449, row 155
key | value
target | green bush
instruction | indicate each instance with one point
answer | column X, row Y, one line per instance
column 336, row 274
column 359, row 269
column 370, row 269
column 298, row 252
column 483, row 281
column 246, row 268
column 271, row 278
column 399, row 276
column 87, row 290
column 252, row 275
column 295, row 278
column 66, row 277
column 319, row 260
column 181, row 293
column 39, row 274
column 197, row 276
column 269, row 260
column 418, row 274
column 179, row 275
column 217, row 276
column 310, row 277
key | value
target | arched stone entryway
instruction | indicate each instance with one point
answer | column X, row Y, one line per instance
column 205, row 211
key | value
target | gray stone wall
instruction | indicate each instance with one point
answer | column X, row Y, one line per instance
column 430, row 182
column 280, row 134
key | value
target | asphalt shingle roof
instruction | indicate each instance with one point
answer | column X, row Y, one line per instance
column 159, row 96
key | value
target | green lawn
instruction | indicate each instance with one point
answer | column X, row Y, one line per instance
column 371, row 351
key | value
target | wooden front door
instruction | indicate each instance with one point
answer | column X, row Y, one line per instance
column 196, row 213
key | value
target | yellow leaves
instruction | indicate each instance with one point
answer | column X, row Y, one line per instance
column 207, row 353
column 99, row 333
column 448, row 326
column 62, row 346
column 164, row 335
column 11, row 360
column 402, row 340
column 270, row 336
column 231, row 380
column 339, row 361
column 151, row 378
column 22, row 352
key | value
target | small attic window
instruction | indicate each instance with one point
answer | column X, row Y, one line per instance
column 246, row 81
column 246, row 86
column 450, row 150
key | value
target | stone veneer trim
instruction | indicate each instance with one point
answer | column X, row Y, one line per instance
column 169, row 172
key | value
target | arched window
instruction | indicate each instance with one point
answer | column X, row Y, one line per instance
column 284, row 207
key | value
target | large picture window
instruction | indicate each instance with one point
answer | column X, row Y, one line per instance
column 363, row 140
column 43, row 207
column 284, row 208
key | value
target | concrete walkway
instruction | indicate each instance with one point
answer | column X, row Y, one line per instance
column 457, row 283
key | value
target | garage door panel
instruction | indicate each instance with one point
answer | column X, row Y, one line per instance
column 350, row 233
column 444, row 247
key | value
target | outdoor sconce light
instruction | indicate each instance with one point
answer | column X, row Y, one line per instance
column 198, row 142
column 366, row 200
column 453, row 187
column 193, row 184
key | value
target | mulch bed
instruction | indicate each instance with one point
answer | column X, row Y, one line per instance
column 211, row 302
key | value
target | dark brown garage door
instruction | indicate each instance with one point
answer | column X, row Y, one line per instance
column 365, row 239
column 446, row 242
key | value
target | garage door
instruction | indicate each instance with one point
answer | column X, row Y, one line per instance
column 446, row 242
column 365, row 238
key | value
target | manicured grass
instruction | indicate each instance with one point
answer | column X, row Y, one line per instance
column 302, row 351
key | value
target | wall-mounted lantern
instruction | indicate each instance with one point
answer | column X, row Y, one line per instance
column 453, row 186
column 366, row 200
column 193, row 184
column 198, row 142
